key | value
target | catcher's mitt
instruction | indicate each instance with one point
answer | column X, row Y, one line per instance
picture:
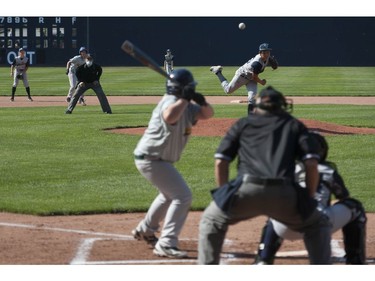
column 19, row 76
column 273, row 62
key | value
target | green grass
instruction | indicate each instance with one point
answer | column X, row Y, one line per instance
column 52, row 163
column 292, row 81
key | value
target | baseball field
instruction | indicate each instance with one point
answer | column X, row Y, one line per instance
column 66, row 179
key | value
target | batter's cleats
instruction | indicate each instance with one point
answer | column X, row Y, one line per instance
column 169, row 252
column 150, row 239
column 30, row 99
column 12, row 99
column 216, row 69
column 68, row 112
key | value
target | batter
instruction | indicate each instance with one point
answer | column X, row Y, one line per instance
column 159, row 148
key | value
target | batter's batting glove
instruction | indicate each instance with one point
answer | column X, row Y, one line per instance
column 273, row 62
column 199, row 99
column 188, row 93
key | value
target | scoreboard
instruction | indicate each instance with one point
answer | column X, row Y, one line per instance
column 47, row 40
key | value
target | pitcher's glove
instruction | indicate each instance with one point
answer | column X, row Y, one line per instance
column 20, row 76
column 199, row 99
column 273, row 62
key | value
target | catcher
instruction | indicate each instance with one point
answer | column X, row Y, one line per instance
column 248, row 74
column 347, row 214
column 18, row 70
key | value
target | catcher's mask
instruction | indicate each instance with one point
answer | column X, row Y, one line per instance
column 323, row 145
column 271, row 100
column 178, row 80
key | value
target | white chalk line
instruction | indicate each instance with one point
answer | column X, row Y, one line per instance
column 85, row 247
column 31, row 226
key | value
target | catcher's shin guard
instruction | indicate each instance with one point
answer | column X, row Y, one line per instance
column 354, row 233
column 269, row 244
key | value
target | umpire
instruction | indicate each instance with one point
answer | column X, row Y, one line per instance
column 267, row 143
column 88, row 76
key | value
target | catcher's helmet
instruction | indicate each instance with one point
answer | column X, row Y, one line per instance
column 178, row 80
column 265, row 47
column 272, row 100
column 323, row 145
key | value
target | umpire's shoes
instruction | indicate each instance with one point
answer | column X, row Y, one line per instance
column 139, row 235
column 170, row 252
column 68, row 112
column 216, row 69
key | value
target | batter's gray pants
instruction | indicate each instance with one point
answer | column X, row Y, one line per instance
column 171, row 205
column 251, row 200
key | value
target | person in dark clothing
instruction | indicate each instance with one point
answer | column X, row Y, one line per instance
column 267, row 143
column 88, row 76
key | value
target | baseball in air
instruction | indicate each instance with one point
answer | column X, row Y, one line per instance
column 242, row 26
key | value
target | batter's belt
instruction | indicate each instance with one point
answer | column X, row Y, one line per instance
column 146, row 157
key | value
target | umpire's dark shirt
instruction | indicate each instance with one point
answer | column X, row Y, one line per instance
column 89, row 74
column 267, row 145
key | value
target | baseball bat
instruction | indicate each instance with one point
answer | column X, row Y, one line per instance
column 132, row 50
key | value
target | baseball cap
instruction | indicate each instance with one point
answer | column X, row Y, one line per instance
column 83, row 49
column 265, row 47
column 21, row 49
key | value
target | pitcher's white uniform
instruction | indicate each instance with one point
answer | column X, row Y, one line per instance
column 243, row 76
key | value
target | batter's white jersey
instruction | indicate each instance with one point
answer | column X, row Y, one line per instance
column 165, row 141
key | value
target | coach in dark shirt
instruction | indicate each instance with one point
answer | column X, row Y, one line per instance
column 267, row 144
column 88, row 76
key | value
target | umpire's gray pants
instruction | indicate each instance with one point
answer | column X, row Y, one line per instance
column 97, row 88
column 253, row 200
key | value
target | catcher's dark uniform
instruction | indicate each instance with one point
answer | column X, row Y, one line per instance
column 90, row 76
column 267, row 147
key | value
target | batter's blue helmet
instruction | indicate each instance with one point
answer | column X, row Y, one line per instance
column 265, row 47
column 178, row 79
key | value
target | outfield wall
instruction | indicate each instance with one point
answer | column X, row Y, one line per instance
column 297, row 41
